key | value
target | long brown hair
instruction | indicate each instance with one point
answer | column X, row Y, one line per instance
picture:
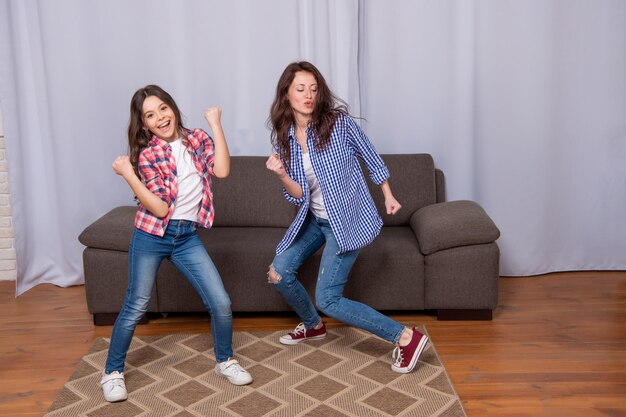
column 138, row 134
column 327, row 108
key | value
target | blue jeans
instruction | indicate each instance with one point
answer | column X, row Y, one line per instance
column 185, row 250
column 332, row 278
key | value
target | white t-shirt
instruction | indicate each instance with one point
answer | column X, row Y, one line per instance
column 317, row 200
column 189, row 194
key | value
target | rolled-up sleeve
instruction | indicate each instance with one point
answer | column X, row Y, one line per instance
column 292, row 199
column 151, row 176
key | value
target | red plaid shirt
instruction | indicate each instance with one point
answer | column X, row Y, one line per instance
column 157, row 171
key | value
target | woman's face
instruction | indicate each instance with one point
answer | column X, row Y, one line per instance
column 302, row 94
column 159, row 118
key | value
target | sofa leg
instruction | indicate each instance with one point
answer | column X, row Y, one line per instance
column 457, row 314
column 108, row 319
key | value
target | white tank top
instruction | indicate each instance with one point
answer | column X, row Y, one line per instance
column 317, row 200
column 189, row 193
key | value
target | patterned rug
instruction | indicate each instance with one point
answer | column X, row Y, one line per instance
column 346, row 374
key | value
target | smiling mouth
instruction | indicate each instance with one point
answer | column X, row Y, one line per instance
column 164, row 126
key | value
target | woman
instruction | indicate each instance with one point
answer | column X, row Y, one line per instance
column 317, row 146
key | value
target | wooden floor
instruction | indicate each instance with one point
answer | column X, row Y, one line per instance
column 556, row 346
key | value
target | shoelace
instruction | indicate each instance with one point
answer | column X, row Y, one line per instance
column 299, row 329
column 397, row 356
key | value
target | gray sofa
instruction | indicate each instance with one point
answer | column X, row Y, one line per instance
column 432, row 255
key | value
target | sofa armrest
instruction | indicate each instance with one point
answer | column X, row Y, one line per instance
column 452, row 224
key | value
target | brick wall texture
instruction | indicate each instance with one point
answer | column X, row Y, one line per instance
column 7, row 237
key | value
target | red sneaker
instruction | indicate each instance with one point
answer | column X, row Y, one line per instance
column 405, row 357
column 301, row 334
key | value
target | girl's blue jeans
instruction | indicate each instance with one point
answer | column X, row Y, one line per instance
column 331, row 280
column 185, row 250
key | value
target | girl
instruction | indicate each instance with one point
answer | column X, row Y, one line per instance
column 169, row 171
column 317, row 146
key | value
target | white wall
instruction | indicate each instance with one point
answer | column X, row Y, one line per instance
column 7, row 241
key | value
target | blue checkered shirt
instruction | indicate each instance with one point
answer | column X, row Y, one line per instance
column 351, row 211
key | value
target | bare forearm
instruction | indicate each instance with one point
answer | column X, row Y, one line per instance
column 386, row 189
column 293, row 188
column 391, row 204
column 221, row 163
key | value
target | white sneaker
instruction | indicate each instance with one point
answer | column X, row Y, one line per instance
column 113, row 387
column 232, row 371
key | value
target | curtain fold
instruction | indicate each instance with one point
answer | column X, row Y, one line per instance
column 522, row 104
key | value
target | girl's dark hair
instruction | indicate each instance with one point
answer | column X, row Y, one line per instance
column 327, row 108
column 138, row 134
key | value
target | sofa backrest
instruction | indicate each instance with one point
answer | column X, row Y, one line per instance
column 412, row 182
column 252, row 195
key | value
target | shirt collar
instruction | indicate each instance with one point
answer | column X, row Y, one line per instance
column 157, row 141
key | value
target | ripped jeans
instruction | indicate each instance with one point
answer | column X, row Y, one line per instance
column 331, row 280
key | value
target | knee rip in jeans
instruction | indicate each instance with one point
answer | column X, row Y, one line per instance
column 272, row 276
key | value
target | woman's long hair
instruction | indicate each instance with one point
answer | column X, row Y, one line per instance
column 327, row 108
column 138, row 134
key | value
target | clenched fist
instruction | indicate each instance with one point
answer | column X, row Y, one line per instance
column 213, row 115
column 122, row 166
column 275, row 165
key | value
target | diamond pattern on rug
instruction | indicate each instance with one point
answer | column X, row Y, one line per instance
column 254, row 405
column 188, row 393
column 126, row 409
column 200, row 343
column 143, row 356
column 259, row 351
column 184, row 414
column 379, row 372
column 263, row 375
column 345, row 375
column 136, row 379
column 195, row 366
column 65, row 397
column 318, row 361
column 390, row 401
column 325, row 411
column 321, row 388
column 373, row 347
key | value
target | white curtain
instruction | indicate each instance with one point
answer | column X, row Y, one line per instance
column 521, row 103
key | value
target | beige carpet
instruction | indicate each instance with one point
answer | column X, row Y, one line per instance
column 347, row 374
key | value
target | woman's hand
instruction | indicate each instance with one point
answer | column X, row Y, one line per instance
column 275, row 165
column 122, row 166
column 392, row 205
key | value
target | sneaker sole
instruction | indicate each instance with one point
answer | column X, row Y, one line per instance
column 292, row 342
column 233, row 381
column 116, row 399
column 418, row 353
column 239, row 383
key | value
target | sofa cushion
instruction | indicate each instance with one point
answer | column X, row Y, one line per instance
column 111, row 231
column 412, row 181
column 452, row 224
column 243, row 256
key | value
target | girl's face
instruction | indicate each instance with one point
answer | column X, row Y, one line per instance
column 160, row 119
column 302, row 94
